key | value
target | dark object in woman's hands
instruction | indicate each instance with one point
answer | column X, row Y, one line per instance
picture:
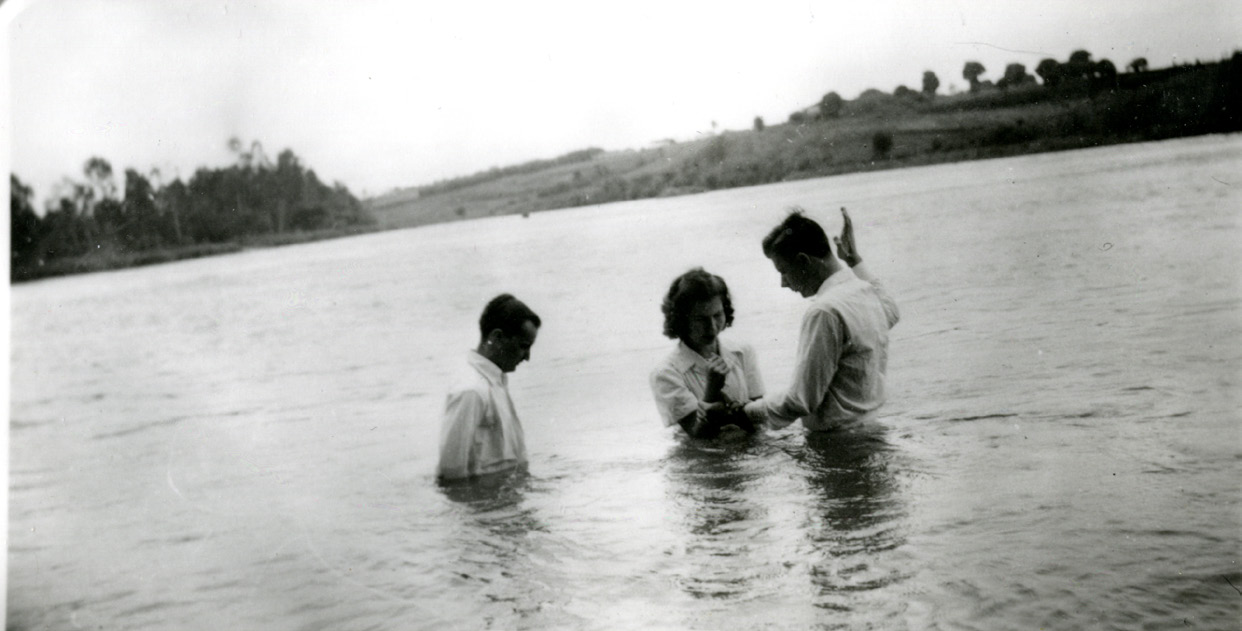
column 717, row 372
column 719, row 418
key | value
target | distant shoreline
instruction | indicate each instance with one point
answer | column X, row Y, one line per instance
column 116, row 261
column 112, row 260
column 393, row 218
column 875, row 132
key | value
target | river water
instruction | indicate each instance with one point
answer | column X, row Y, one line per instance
column 249, row 441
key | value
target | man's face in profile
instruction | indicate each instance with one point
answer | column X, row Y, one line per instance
column 512, row 350
column 793, row 274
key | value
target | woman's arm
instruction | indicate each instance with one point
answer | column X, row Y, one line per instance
column 698, row 418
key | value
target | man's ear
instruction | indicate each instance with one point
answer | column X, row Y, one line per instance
column 494, row 336
column 804, row 260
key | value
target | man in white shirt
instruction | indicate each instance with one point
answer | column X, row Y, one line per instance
column 480, row 433
column 843, row 345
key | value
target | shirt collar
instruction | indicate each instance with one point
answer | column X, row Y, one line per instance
column 490, row 371
column 842, row 275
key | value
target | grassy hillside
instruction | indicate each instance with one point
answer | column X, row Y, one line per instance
column 255, row 204
column 875, row 131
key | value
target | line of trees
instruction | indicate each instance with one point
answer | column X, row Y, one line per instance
column 1078, row 71
column 1079, row 74
column 253, row 197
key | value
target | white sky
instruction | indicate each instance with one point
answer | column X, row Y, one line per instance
column 386, row 93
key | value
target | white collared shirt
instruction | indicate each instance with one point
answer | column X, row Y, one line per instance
column 680, row 380
column 480, row 432
column 842, row 355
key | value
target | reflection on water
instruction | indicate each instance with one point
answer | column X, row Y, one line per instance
column 490, row 492
column 711, row 481
column 851, row 482
column 851, row 513
column 493, row 553
column 857, row 512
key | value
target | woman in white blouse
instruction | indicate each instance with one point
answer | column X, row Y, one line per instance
column 704, row 381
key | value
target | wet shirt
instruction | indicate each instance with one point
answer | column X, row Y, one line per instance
column 480, row 432
column 842, row 356
column 680, row 380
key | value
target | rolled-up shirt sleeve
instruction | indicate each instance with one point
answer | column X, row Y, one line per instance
column 462, row 414
column 750, row 370
column 819, row 351
column 672, row 397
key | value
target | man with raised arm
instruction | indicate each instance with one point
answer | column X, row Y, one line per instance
column 481, row 433
column 843, row 344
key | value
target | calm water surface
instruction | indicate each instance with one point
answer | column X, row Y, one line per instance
column 248, row 441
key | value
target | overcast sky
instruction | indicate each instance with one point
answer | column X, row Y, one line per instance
column 384, row 94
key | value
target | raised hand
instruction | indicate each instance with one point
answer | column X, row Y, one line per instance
column 847, row 248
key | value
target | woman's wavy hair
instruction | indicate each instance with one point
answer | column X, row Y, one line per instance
column 692, row 287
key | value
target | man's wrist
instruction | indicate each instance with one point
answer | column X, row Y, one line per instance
column 756, row 411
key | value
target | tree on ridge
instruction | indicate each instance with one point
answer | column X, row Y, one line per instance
column 971, row 73
column 830, row 106
column 930, row 84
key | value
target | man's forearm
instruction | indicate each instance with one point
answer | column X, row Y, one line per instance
column 760, row 412
column 862, row 271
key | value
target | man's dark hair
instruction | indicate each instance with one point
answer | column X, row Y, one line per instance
column 508, row 314
column 688, row 289
column 797, row 234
